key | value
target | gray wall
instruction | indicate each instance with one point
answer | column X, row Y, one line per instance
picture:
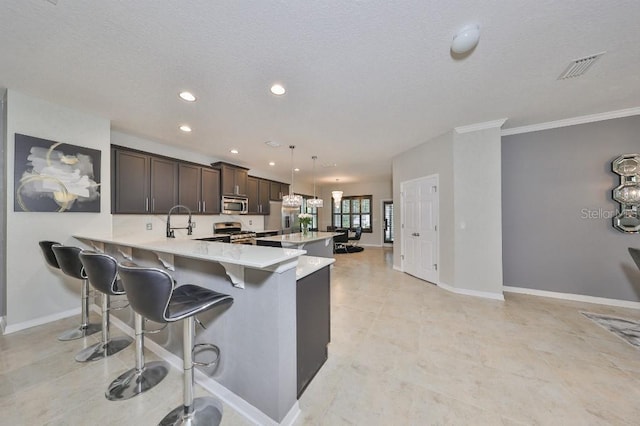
column 556, row 206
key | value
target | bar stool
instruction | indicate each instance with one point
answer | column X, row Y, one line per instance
column 102, row 271
column 151, row 293
column 49, row 256
column 69, row 261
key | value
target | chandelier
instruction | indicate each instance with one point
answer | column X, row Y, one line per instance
column 337, row 196
column 314, row 202
column 291, row 201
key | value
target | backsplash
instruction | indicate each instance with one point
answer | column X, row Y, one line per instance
column 126, row 225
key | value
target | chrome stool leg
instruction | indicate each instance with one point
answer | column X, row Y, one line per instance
column 194, row 411
column 85, row 329
column 140, row 378
column 107, row 346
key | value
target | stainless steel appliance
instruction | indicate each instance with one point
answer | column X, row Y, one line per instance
column 235, row 232
column 283, row 219
column 235, row 205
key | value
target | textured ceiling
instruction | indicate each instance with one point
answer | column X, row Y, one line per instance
column 366, row 79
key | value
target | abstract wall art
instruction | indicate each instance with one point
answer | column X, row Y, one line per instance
column 55, row 177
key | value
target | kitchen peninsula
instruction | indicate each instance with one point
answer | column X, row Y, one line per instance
column 314, row 243
column 258, row 335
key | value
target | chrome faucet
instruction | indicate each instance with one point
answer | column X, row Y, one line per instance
column 189, row 228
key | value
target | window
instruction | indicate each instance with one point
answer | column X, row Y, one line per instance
column 311, row 210
column 353, row 212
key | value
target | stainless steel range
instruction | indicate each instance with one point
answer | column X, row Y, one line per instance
column 235, row 232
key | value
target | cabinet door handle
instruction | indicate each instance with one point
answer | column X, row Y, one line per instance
column 146, row 204
column 153, row 204
column 204, row 206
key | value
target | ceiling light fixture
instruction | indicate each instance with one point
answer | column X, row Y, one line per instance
column 465, row 39
column 337, row 196
column 185, row 128
column 291, row 201
column 271, row 163
column 314, row 202
column 273, row 144
column 234, row 151
column 187, row 96
column 278, row 89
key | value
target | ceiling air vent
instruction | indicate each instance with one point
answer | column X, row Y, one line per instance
column 579, row 66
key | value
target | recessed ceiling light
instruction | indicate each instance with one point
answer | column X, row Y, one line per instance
column 273, row 144
column 271, row 163
column 296, row 169
column 234, row 151
column 187, row 96
column 185, row 128
column 278, row 89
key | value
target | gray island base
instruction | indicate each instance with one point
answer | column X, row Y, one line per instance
column 257, row 335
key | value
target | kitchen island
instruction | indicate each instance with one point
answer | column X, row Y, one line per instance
column 257, row 335
column 314, row 243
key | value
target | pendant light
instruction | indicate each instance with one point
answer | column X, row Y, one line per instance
column 291, row 201
column 314, row 202
column 337, row 196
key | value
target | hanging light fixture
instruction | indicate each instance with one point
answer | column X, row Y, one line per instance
column 314, row 202
column 291, row 201
column 337, row 196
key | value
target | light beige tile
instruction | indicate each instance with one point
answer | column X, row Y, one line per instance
column 402, row 352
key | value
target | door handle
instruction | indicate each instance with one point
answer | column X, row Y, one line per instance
column 204, row 206
column 416, row 234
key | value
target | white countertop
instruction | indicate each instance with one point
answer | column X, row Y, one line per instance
column 237, row 254
column 299, row 237
column 310, row 264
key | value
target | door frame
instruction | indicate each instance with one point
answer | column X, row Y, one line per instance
column 382, row 203
column 402, row 220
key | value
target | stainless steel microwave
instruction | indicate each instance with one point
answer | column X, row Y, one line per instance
column 235, row 205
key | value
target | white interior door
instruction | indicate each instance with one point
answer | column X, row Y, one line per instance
column 420, row 228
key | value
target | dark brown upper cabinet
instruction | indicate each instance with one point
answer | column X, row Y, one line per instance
column 199, row 188
column 233, row 179
column 258, row 193
column 278, row 190
column 143, row 183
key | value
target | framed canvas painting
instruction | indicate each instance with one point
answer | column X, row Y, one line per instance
column 55, row 177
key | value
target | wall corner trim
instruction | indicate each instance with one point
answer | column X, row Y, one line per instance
column 3, row 324
column 475, row 293
column 480, row 126
column 574, row 297
column 572, row 121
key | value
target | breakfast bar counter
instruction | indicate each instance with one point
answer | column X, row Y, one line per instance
column 257, row 335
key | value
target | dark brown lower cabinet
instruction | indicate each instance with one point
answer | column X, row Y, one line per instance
column 313, row 324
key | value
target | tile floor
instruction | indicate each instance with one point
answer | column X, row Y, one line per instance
column 403, row 352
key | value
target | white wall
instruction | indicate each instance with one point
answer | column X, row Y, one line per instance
column 432, row 157
column 477, row 210
column 3, row 195
column 34, row 292
column 470, row 234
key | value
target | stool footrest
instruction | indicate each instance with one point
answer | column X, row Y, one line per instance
column 212, row 347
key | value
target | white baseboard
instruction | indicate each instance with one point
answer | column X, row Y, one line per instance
column 397, row 268
column 476, row 293
column 247, row 410
column 12, row 328
column 574, row 297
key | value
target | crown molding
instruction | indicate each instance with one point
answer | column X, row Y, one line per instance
column 573, row 121
column 480, row 126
